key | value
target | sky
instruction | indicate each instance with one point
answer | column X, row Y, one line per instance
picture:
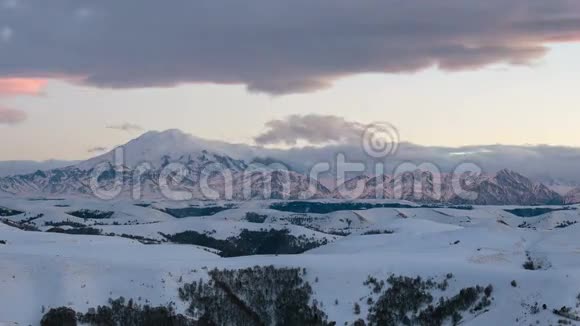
column 79, row 77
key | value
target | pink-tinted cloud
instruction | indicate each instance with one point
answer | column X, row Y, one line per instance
column 21, row 86
column 15, row 87
column 11, row 116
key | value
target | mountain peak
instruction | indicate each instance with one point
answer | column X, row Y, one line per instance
column 168, row 137
column 157, row 147
column 169, row 133
column 508, row 173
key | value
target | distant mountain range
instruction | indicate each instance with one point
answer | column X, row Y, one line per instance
column 209, row 166
column 503, row 188
column 8, row 168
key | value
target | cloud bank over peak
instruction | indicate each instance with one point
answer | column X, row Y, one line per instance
column 553, row 165
column 272, row 46
column 332, row 135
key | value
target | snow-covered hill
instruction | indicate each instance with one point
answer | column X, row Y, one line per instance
column 528, row 254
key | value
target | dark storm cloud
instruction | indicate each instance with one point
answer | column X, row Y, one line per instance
column 272, row 46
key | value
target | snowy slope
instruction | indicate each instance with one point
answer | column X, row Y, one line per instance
column 483, row 245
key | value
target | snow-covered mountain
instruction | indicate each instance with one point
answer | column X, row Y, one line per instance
column 509, row 187
column 158, row 148
column 218, row 170
column 209, row 171
column 573, row 196
column 8, row 168
column 503, row 188
column 65, row 181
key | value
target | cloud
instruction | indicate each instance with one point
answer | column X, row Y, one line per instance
column 275, row 46
column 549, row 164
column 125, row 127
column 97, row 149
column 313, row 129
column 10, row 4
column 21, row 86
column 6, row 34
column 15, row 87
column 11, row 116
